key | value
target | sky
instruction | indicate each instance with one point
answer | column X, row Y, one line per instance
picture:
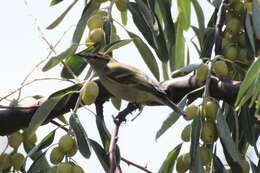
column 22, row 47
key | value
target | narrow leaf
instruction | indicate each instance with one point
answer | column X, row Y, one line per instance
column 185, row 70
column 54, row 2
column 124, row 17
column 81, row 136
column 180, row 46
column 199, row 13
column 41, row 114
column 146, row 53
column 252, row 73
column 115, row 45
column 218, row 165
column 256, row 17
column 116, row 102
column 40, row 164
column 61, row 17
column 168, row 164
column 184, row 11
column 170, row 120
column 250, row 32
column 101, row 155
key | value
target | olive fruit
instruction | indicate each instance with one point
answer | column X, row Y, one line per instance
column 183, row 163
column 90, row 93
column 121, row 5
column 97, row 35
column 242, row 39
column 29, row 139
column 220, row 68
column 186, row 132
column 201, row 72
column 242, row 54
column 66, row 143
column 238, row 7
column 77, row 169
column 5, row 161
column 210, row 110
column 64, row 168
column 233, row 25
column 205, row 155
column 208, row 132
column 17, row 161
column 95, row 21
column 191, row 111
column 73, row 150
column 15, row 139
column 226, row 42
column 231, row 52
column 56, row 155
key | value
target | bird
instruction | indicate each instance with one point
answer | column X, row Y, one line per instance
column 129, row 83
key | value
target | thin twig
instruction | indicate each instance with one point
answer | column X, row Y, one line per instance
column 121, row 117
column 143, row 168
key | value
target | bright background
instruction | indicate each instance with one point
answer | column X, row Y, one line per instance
column 22, row 47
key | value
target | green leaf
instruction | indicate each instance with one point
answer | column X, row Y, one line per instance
column 253, row 167
column 141, row 24
column 168, row 164
column 101, row 155
column 256, row 91
column 81, row 136
column 116, row 44
column 194, row 146
column 45, row 142
column 54, row 2
column 41, row 114
column 199, row 13
column 76, row 64
column 184, row 13
column 252, row 73
column 87, row 12
column 103, row 132
column 116, row 102
column 146, row 53
column 250, row 32
column 180, row 43
column 225, row 137
column 185, row 70
column 256, row 17
column 208, row 42
column 124, row 17
column 170, row 120
column 61, row 17
column 107, row 27
column 40, row 164
column 218, row 165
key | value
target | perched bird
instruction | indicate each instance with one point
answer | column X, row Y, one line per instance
column 129, row 83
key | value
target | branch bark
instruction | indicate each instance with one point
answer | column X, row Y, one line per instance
column 15, row 118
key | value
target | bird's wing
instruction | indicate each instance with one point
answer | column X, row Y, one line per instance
column 132, row 76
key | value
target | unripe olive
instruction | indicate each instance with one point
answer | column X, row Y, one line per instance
column 192, row 111
column 226, row 42
column 202, row 72
column 90, row 93
column 95, row 21
column 183, row 163
column 73, row 150
column 121, row 5
column 17, row 161
column 242, row 54
column 242, row 39
column 220, row 68
column 77, row 169
column 56, row 155
column 208, row 132
column 64, row 168
column 29, row 140
column 5, row 161
column 210, row 110
column 205, row 155
column 230, row 52
column 233, row 26
column 15, row 139
column 238, row 7
column 97, row 35
column 186, row 132
column 66, row 143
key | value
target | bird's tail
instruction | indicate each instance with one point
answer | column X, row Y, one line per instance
column 174, row 107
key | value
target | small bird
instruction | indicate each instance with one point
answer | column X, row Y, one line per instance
column 129, row 83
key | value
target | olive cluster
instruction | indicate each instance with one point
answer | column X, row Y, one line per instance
column 67, row 147
column 96, row 33
column 15, row 160
column 234, row 37
column 208, row 111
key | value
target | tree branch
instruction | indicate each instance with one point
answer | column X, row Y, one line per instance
column 15, row 118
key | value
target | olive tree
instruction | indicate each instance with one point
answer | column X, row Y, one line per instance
column 220, row 96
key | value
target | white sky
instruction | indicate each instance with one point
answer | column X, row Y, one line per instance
column 22, row 47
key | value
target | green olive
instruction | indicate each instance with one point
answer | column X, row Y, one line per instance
column 186, row 132
column 192, row 111
column 208, row 132
column 97, row 35
column 205, row 155
column 17, row 161
column 220, row 68
column 95, row 21
column 77, row 169
column 202, row 72
column 15, row 139
column 231, row 52
column 233, row 26
column 210, row 110
column 56, row 155
column 90, row 92
column 66, row 143
column 64, row 168
column 183, row 163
